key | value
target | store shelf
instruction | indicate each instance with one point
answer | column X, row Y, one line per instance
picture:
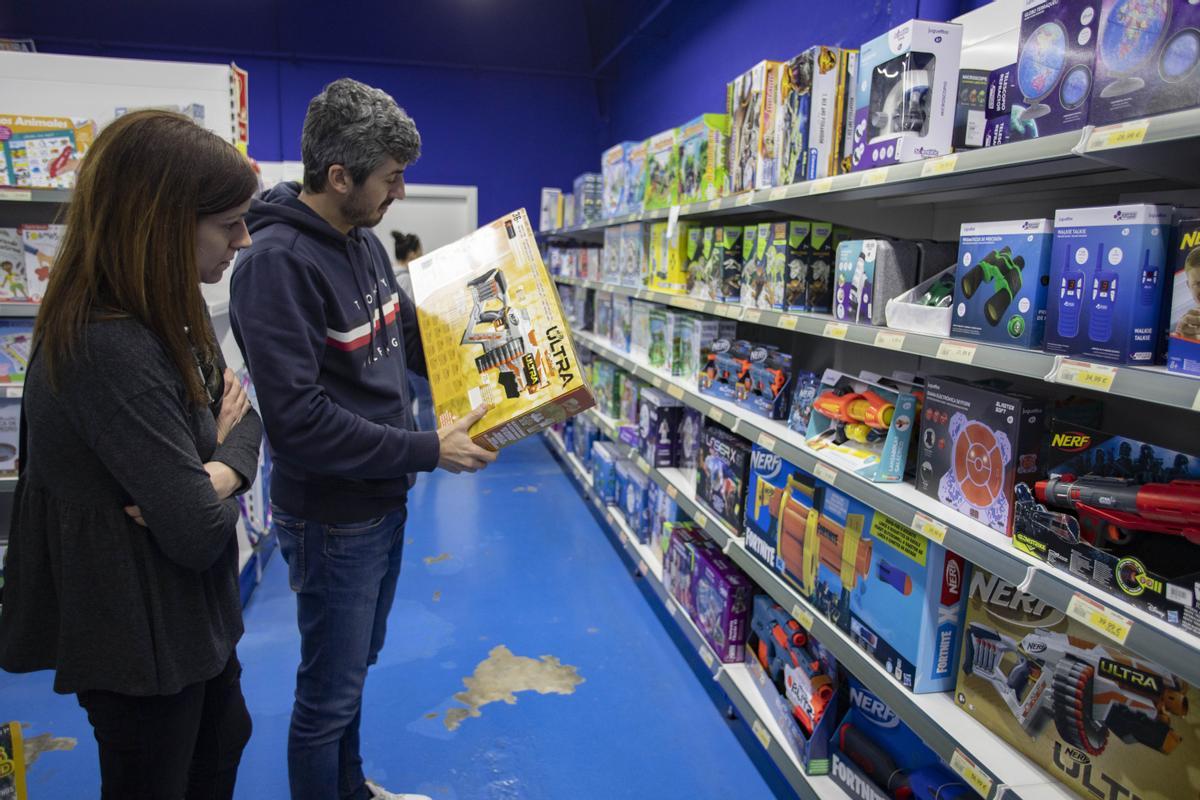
column 12, row 309
column 1152, row 638
column 1161, row 148
column 15, row 195
column 1152, row 384
column 734, row 679
column 8, row 485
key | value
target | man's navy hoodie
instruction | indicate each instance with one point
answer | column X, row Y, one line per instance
column 328, row 338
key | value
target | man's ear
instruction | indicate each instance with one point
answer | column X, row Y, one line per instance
column 338, row 179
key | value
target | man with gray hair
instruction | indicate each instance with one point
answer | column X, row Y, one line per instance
column 329, row 338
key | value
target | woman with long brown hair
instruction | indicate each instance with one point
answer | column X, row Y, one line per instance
column 122, row 563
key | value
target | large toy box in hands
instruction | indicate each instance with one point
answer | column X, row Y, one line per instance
column 1183, row 346
column 750, row 101
column 907, row 83
column 713, row 591
column 907, row 611
column 1121, row 514
column 1000, row 281
column 42, row 152
column 1106, row 278
column 1103, row 721
column 1054, row 67
column 494, row 334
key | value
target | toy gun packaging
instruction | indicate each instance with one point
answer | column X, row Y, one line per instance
column 782, row 507
column 494, row 334
column 765, row 383
column 865, row 423
column 1103, row 721
column 876, row 756
column 722, row 468
column 1123, row 515
column 1001, row 281
column 798, row 680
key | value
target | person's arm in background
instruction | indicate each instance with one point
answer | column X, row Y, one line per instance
column 239, row 439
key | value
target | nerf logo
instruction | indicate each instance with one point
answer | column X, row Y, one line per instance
column 1073, row 442
column 766, row 463
column 1004, row 602
column 1034, row 647
column 558, row 350
column 1139, row 680
column 873, row 708
column 953, row 577
column 1190, row 240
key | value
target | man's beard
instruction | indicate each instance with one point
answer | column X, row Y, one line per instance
column 358, row 212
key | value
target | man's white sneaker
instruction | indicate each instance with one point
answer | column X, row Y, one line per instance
column 379, row 793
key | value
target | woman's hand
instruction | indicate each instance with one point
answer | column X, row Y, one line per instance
column 234, row 405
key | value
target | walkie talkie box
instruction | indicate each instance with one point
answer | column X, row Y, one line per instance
column 494, row 334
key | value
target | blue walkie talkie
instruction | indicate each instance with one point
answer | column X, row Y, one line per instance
column 1149, row 281
column 1104, row 300
column 1070, row 300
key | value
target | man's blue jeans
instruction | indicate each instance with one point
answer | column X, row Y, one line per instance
column 344, row 577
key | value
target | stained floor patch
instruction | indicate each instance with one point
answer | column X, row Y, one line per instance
column 45, row 743
column 503, row 674
column 437, row 558
column 528, row 489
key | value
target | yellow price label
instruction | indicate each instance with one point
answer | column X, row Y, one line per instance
column 956, row 351
column 700, row 518
column 803, row 617
column 657, row 381
column 874, row 177
column 1089, row 376
column 939, row 166
column 1099, row 617
column 16, row 194
column 744, row 199
column 713, row 205
column 707, row 657
column 729, row 310
column 675, row 391
column 767, row 441
column 788, row 321
column 672, row 608
column 644, row 568
column 825, row 473
column 820, row 186
column 975, row 777
column 672, row 492
column 1123, row 134
column 760, row 731
column 889, row 340
column 778, row 193
column 752, row 316
column 716, row 415
column 931, row 529
column 836, row 330
column 643, row 465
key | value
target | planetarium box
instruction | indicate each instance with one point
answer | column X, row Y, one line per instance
column 494, row 334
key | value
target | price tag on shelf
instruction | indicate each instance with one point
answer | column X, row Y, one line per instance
column 778, row 193
column 976, row 778
column 643, row 465
column 930, row 529
column 820, row 186
column 1123, row 134
column 707, row 657
column 803, row 617
column 13, row 391
column 956, row 351
column 657, row 381
column 889, row 340
column 713, row 205
column 16, row 194
column 1086, row 375
column 675, row 391
column 825, row 473
column 743, row 199
column 788, row 321
column 672, row 608
column 766, row 441
column 716, row 415
column 760, row 730
column 700, row 518
column 672, row 492
column 1196, row 402
column 644, row 568
column 939, row 166
column 752, row 315
column 836, row 330
column 874, row 177
column 1099, row 617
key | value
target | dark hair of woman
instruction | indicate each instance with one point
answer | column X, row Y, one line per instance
column 406, row 245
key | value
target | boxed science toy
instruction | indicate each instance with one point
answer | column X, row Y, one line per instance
column 838, row 557
column 729, row 239
column 639, row 333
column 864, row 424
column 976, row 443
column 876, row 756
column 723, row 466
column 1002, row 111
column 662, row 335
column 970, row 117
column 849, row 104
column 569, row 211
column 635, row 177
column 810, row 272
column 713, row 591
column 661, row 509
column 632, row 256
column 705, row 266
column 808, row 118
column 41, row 246
column 700, row 154
column 1183, row 346
column 659, row 418
column 1123, row 515
column 551, row 217
column 588, row 196
column 781, row 510
column 906, row 89
column 602, row 314
column 12, row 266
column 614, row 169
column 756, row 245
column 1001, row 280
column 1106, row 279
column 622, row 322
column 668, row 259
column 662, row 172
column 635, row 499
column 689, row 441
column 907, row 611
column 604, row 471
column 1101, row 720
column 1146, row 57
column 494, row 334
column 42, row 152
column 1055, row 62
column 870, row 272
column 750, row 102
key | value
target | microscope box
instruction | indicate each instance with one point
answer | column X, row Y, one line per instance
column 907, row 85
column 1107, row 270
column 494, row 334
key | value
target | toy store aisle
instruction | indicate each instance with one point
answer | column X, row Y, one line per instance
column 509, row 561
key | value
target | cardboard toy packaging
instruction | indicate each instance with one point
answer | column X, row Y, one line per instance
column 604, row 471
column 639, row 333
column 694, row 336
column 10, row 435
column 661, row 510
column 808, row 120
column 16, row 346
column 1001, row 281
column 659, row 417
column 588, row 198
column 811, row 275
column 41, row 246
column 622, row 322
column 12, row 266
column 610, row 260
column 614, row 169
column 729, row 238
column 765, row 382
column 700, row 154
column 43, row 152
column 1104, row 722
column 552, row 210
column 864, row 424
column 1001, row 125
column 1146, row 57
column 751, row 103
column 838, row 557
column 635, row 177
column 756, row 245
column 1055, row 62
column 849, row 104
column 1122, row 515
column 668, row 259
column 662, row 172
column 634, row 499
column 1106, row 277
column 602, row 314
column 1183, row 346
column 494, row 334
column 706, row 269
column 690, row 429
column 970, row 119
column 713, row 591
column 723, row 466
column 633, row 255
column 869, row 273
column 662, row 335
column 782, row 508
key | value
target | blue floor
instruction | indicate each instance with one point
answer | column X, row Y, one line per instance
column 511, row 556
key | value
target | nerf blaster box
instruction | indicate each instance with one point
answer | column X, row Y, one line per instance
column 494, row 334
column 1122, row 514
column 1104, row 722
column 782, row 506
